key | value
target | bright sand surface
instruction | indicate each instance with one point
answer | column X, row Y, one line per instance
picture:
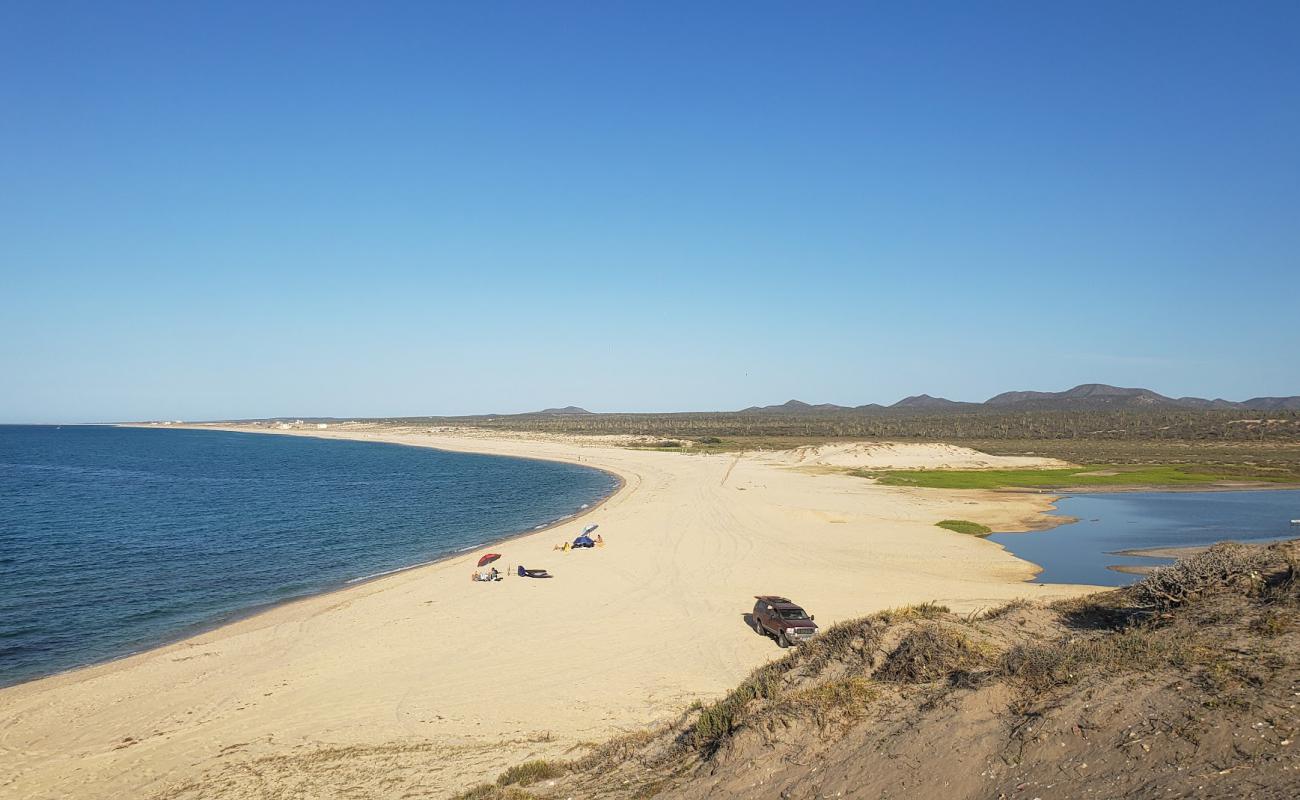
column 420, row 683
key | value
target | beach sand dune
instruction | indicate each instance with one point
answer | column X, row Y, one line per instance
column 421, row 682
column 904, row 455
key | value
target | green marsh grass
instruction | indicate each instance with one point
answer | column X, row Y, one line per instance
column 965, row 526
column 1092, row 475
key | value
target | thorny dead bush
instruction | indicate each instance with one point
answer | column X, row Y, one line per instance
column 1225, row 567
column 931, row 653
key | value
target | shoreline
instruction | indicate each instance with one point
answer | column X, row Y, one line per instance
column 197, row 629
column 371, row 665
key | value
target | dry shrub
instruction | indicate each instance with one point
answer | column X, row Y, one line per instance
column 1045, row 666
column 1286, row 586
column 650, row 789
column 1138, row 648
column 844, row 698
column 716, row 722
column 1225, row 567
column 931, row 653
column 850, row 642
column 622, row 748
column 1040, row 666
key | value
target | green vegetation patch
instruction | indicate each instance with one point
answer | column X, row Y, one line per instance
column 965, row 526
column 1092, row 475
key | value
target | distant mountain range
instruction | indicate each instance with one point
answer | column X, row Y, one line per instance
column 1085, row 397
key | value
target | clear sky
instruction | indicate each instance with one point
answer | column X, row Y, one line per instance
column 253, row 209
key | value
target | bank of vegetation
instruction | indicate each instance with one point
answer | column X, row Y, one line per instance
column 965, row 424
column 1229, row 444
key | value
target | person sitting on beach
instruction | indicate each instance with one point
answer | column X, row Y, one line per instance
column 600, row 542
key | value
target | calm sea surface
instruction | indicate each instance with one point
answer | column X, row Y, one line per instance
column 115, row 539
column 1081, row 552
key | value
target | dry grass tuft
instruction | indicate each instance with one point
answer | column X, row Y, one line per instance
column 490, row 791
column 1006, row 608
column 918, row 611
column 531, row 772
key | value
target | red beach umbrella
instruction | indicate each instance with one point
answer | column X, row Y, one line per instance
column 488, row 559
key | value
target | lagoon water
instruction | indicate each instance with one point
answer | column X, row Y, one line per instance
column 1081, row 552
column 115, row 539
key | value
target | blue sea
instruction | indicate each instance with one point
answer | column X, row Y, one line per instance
column 116, row 539
column 1085, row 551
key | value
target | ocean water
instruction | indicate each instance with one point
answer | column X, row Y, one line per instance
column 1084, row 551
column 116, row 539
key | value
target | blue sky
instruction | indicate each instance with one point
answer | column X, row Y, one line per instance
column 228, row 210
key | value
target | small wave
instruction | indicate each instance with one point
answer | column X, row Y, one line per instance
column 380, row 574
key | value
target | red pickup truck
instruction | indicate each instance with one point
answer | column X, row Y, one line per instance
column 782, row 620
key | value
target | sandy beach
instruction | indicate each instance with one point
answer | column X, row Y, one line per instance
column 420, row 683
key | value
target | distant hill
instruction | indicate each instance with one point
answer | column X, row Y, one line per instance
column 1085, row 397
column 1272, row 403
column 927, row 402
column 563, row 412
column 793, row 407
column 1095, row 396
